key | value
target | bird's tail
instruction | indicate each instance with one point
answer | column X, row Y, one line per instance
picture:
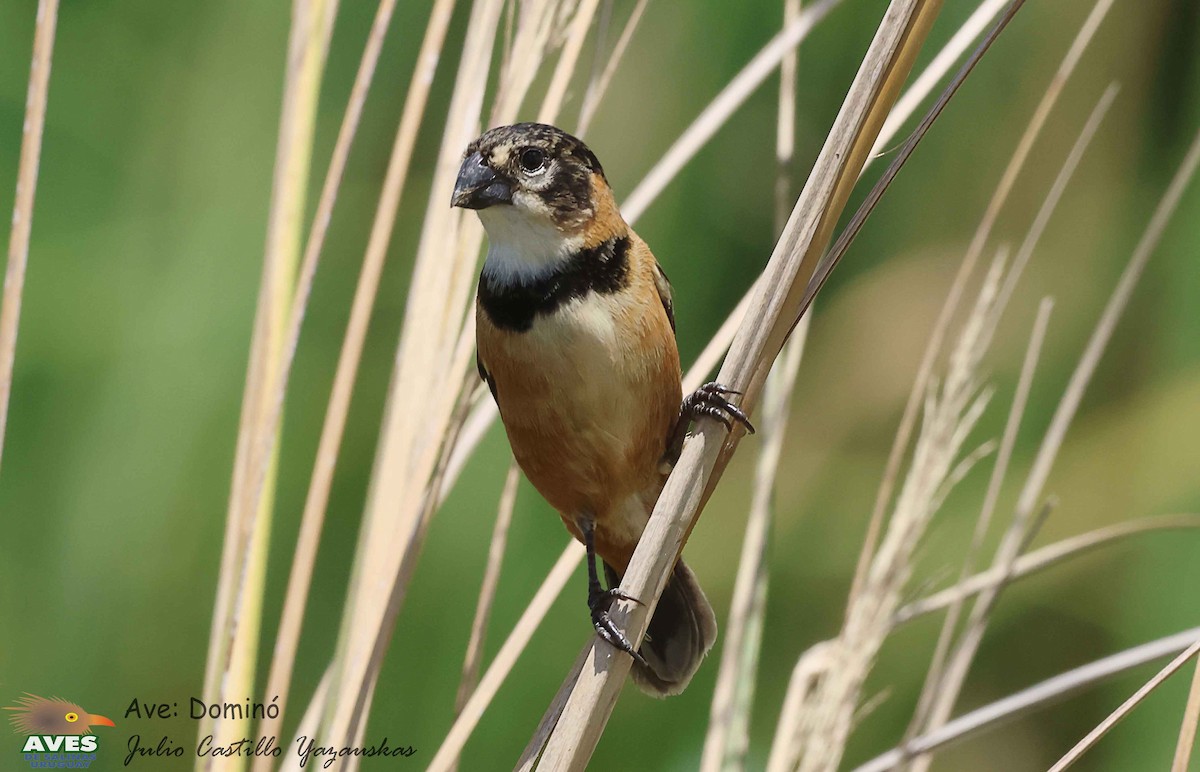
column 681, row 632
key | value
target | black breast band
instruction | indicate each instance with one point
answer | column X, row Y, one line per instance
column 603, row 268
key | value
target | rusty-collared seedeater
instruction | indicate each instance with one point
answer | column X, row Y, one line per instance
column 576, row 340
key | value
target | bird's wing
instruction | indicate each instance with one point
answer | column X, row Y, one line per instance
column 485, row 375
column 663, row 285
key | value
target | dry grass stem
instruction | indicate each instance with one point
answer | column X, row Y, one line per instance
column 726, row 744
column 1044, row 558
column 941, row 685
column 824, row 721
column 975, row 249
column 499, row 669
column 727, row 741
column 599, row 84
column 718, row 111
column 400, row 506
column 533, row 750
column 924, row 83
column 576, row 35
column 1084, row 745
column 931, row 700
column 1187, row 730
column 758, row 341
column 308, row 722
column 1082, row 375
column 392, row 523
column 1039, row 695
column 812, row 665
column 279, row 679
column 22, row 219
column 350, row 356
column 233, row 644
column 487, row 592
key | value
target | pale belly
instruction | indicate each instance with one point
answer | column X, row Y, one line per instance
column 588, row 397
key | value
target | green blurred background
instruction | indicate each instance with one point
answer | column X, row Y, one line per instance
column 144, row 267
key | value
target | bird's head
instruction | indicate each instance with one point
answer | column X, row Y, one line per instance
column 53, row 716
column 541, row 195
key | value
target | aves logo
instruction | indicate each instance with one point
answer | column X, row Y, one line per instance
column 58, row 733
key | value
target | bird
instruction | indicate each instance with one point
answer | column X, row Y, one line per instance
column 575, row 334
column 35, row 715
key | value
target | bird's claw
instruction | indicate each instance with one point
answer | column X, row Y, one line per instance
column 709, row 400
column 600, row 603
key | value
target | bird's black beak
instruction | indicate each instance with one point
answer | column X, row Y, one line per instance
column 478, row 186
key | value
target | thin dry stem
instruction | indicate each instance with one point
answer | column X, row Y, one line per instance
column 391, row 523
column 937, row 678
column 487, row 591
column 599, row 85
column 1092, row 737
column 978, row 241
column 1044, row 558
column 943, row 684
column 22, row 219
column 279, row 679
column 718, row 111
column 924, row 83
column 567, row 60
column 727, row 741
column 1087, row 366
column 400, row 506
column 1039, row 695
column 233, row 644
column 823, row 722
column 533, row 750
column 1187, row 730
column 498, row 670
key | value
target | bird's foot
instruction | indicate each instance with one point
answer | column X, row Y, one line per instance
column 710, row 400
column 600, row 601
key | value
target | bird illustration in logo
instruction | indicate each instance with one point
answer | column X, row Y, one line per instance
column 35, row 715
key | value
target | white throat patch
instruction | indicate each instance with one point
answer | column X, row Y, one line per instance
column 523, row 245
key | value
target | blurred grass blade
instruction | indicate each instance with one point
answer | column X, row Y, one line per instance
column 718, row 111
column 822, row 715
column 431, row 366
column 233, row 645
column 487, row 592
column 727, row 741
column 313, row 518
column 725, row 746
column 953, row 298
column 943, row 683
column 1037, row 696
column 498, row 670
column 931, row 698
column 557, row 91
column 599, row 85
column 1044, row 558
column 1187, row 730
column 22, row 219
column 1124, row 710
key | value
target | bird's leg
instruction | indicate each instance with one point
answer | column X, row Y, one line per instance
column 708, row 400
column 600, row 600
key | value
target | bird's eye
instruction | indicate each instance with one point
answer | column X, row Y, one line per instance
column 532, row 160
column 72, row 718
